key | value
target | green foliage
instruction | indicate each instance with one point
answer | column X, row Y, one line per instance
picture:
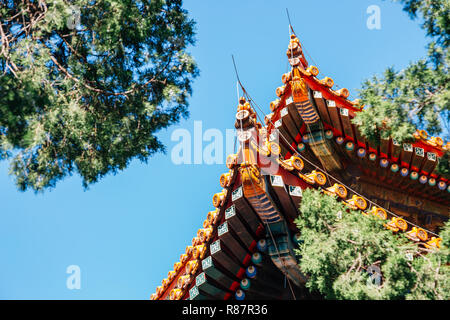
column 89, row 97
column 418, row 96
column 338, row 246
column 436, row 17
column 443, row 166
column 397, row 102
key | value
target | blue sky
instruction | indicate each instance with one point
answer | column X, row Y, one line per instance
column 126, row 231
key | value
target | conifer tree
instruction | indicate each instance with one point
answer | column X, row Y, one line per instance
column 85, row 85
column 347, row 255
column 418, row 96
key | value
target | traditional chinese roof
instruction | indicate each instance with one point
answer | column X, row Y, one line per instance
column 244, row 249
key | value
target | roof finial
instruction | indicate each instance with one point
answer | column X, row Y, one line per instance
column 295, row 53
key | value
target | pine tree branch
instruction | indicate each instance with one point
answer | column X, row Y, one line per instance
column 94, row 89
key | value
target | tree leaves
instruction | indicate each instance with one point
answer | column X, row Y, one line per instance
column 88, row 98
column 337, row 250
column 398, row 102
